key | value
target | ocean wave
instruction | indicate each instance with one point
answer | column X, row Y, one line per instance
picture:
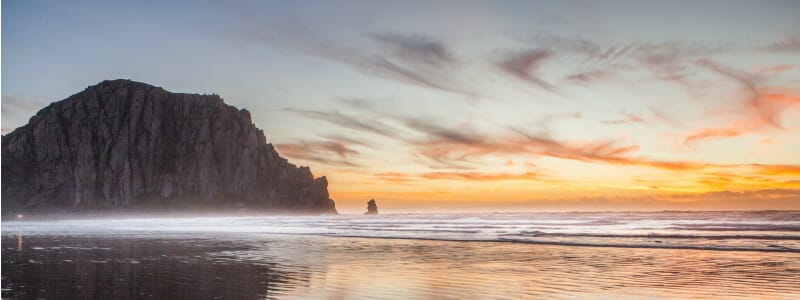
column 659, row 235
column 735, row 227
column 772, row 248
column 768, row 248
column 412, row 230
column 755, row 231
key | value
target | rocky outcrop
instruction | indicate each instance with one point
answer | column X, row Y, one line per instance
column 122, row 144
column 372, row 208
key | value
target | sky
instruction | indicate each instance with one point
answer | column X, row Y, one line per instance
column 461, row 105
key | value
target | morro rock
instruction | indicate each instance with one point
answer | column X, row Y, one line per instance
column 122, row 145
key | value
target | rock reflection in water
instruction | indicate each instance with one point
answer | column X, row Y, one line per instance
column 120, row 268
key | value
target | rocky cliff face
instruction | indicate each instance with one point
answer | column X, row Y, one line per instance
column 122, row 144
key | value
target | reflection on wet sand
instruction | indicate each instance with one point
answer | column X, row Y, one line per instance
column 116, row 268
column 314, row 267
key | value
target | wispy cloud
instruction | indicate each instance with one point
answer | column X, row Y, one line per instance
column 586, row 77
column 347, row 121
column 672, row 61
column 459, row 146
column 480, row 176
column 389, row 68
column 454, row 147
column 605, row 152
column 325, row 152
column 627, row 118
column 414, row 59
column 416, row 49
column 777, row 169
column 755, row 98
column 347, row 140
column 589, row 61
column 355, row 103
column 775, row 69
column 711, row 133
column 789, row 44
column 396, row 177
column 544, row 124
column 463, row 136
column 759, row 107
column 524, row 66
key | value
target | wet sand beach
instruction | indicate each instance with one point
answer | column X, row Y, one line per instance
column 279, row 266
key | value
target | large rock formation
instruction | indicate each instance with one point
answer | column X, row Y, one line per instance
column 122, row 144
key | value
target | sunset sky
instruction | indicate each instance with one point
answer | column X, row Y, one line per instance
column 458, row 105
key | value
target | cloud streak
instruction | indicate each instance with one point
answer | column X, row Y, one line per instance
column 326, row 152
column 777, row 169
column 789, row 44
column 413, row 59
column 760, row 107
column 459, row 146
column 586, row 77
column 524, row 66
column 396, row 177
column 711, row 133
column 346, row 121
column 480, row 176
column 416, row 49
column 627, row 118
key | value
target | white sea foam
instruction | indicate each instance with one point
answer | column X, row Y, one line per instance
column 757, row 231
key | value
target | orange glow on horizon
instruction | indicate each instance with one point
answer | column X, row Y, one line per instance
column 663, row 189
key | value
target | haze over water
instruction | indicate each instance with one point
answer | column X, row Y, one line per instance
column 619, row 255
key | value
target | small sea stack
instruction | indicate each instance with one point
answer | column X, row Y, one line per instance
column 372, row 208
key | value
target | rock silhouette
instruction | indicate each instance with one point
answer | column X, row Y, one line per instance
column 122, row 144
column 372, row 208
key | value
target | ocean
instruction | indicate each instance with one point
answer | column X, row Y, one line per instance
column 573, row 255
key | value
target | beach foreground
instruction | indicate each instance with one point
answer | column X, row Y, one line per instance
column 247, row 264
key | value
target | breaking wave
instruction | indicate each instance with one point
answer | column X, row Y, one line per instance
column 774, row 231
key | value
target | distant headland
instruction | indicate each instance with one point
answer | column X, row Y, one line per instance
column 124, row 145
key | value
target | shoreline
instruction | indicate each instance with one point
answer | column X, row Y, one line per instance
column 212, row 234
